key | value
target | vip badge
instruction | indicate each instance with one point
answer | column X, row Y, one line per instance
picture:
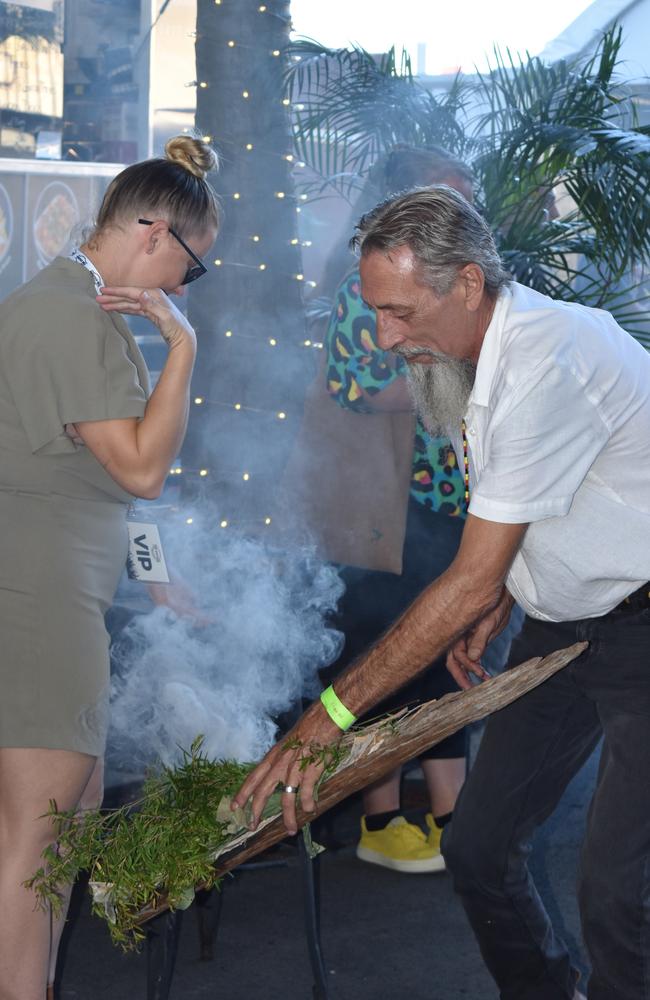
column 146, row 559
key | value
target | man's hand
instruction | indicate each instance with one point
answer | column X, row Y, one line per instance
column 464, row 657
column 287, row 767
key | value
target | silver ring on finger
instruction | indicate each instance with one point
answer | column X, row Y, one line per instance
column 290, row 789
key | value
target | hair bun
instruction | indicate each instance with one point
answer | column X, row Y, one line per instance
column 192, row 154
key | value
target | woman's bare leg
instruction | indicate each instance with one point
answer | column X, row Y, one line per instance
column 91, row 798
column 29, row 778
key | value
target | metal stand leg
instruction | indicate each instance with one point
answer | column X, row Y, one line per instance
column 162, row 947
column 208, row 913
column 310, row 868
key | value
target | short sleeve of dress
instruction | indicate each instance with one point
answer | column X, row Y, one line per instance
column 66, row 362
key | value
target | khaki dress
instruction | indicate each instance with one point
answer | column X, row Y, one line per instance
column 63, row 537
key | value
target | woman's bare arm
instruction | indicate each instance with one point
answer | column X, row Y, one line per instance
column 137, row 454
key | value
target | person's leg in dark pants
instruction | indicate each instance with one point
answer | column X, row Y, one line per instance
column 529, row 753
column 614, row 890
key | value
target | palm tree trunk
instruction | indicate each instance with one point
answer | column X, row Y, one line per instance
column 248, row 310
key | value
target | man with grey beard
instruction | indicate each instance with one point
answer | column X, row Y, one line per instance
column 439, row 388
column 550, row 405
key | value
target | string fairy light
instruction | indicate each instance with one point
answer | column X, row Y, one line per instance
column 240, row 407
column 271, row 341
column 292, row 200
column 263, row 266
column 225, row 523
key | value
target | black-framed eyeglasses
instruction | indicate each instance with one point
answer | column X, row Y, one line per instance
column 197, row 269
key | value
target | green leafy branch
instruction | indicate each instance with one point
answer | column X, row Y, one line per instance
column 162, row 845
column 158, row 848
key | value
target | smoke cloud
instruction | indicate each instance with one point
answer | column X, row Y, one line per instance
column 229, row 679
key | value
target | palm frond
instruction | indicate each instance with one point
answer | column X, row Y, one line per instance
column 527, row 128
column 365, row 105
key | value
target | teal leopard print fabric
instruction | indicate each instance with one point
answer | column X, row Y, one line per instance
column 357, row 368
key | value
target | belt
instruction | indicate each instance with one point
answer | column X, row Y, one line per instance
column 637, row 601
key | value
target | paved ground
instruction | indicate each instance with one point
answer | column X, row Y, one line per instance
column 385, row 936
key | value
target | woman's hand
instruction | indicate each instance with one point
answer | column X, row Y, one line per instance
column 181, row 599
column 74, row 435
column 155, row 306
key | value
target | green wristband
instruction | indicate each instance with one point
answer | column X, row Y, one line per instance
column 336, row 710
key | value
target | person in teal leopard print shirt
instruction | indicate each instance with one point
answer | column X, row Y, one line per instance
column 364, row 379
column 358, row 370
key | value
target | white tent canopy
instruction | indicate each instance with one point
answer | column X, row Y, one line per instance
column 583, row 34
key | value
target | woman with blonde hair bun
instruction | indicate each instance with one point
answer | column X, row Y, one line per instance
column 81, row 435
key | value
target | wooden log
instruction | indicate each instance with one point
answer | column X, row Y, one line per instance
column 378, row 748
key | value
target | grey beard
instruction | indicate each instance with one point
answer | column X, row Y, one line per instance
column 440, row 390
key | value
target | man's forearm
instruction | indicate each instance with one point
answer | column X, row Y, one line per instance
column 443, row 612
column 469, row 590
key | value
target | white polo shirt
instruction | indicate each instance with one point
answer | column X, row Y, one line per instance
column 558, row 426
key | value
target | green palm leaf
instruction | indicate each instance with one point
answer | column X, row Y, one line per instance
column 528, row 129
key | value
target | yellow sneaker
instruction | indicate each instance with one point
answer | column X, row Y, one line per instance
column 433, row 840
column 401, row 846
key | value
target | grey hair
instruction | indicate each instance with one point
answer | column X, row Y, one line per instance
column 443, row 231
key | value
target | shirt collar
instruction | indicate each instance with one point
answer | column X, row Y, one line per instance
column 490, row 350
column 76, row 255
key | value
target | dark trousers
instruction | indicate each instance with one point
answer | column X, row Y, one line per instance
column 529, row 753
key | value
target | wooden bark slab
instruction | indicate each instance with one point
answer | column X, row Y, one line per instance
column 376, row 749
